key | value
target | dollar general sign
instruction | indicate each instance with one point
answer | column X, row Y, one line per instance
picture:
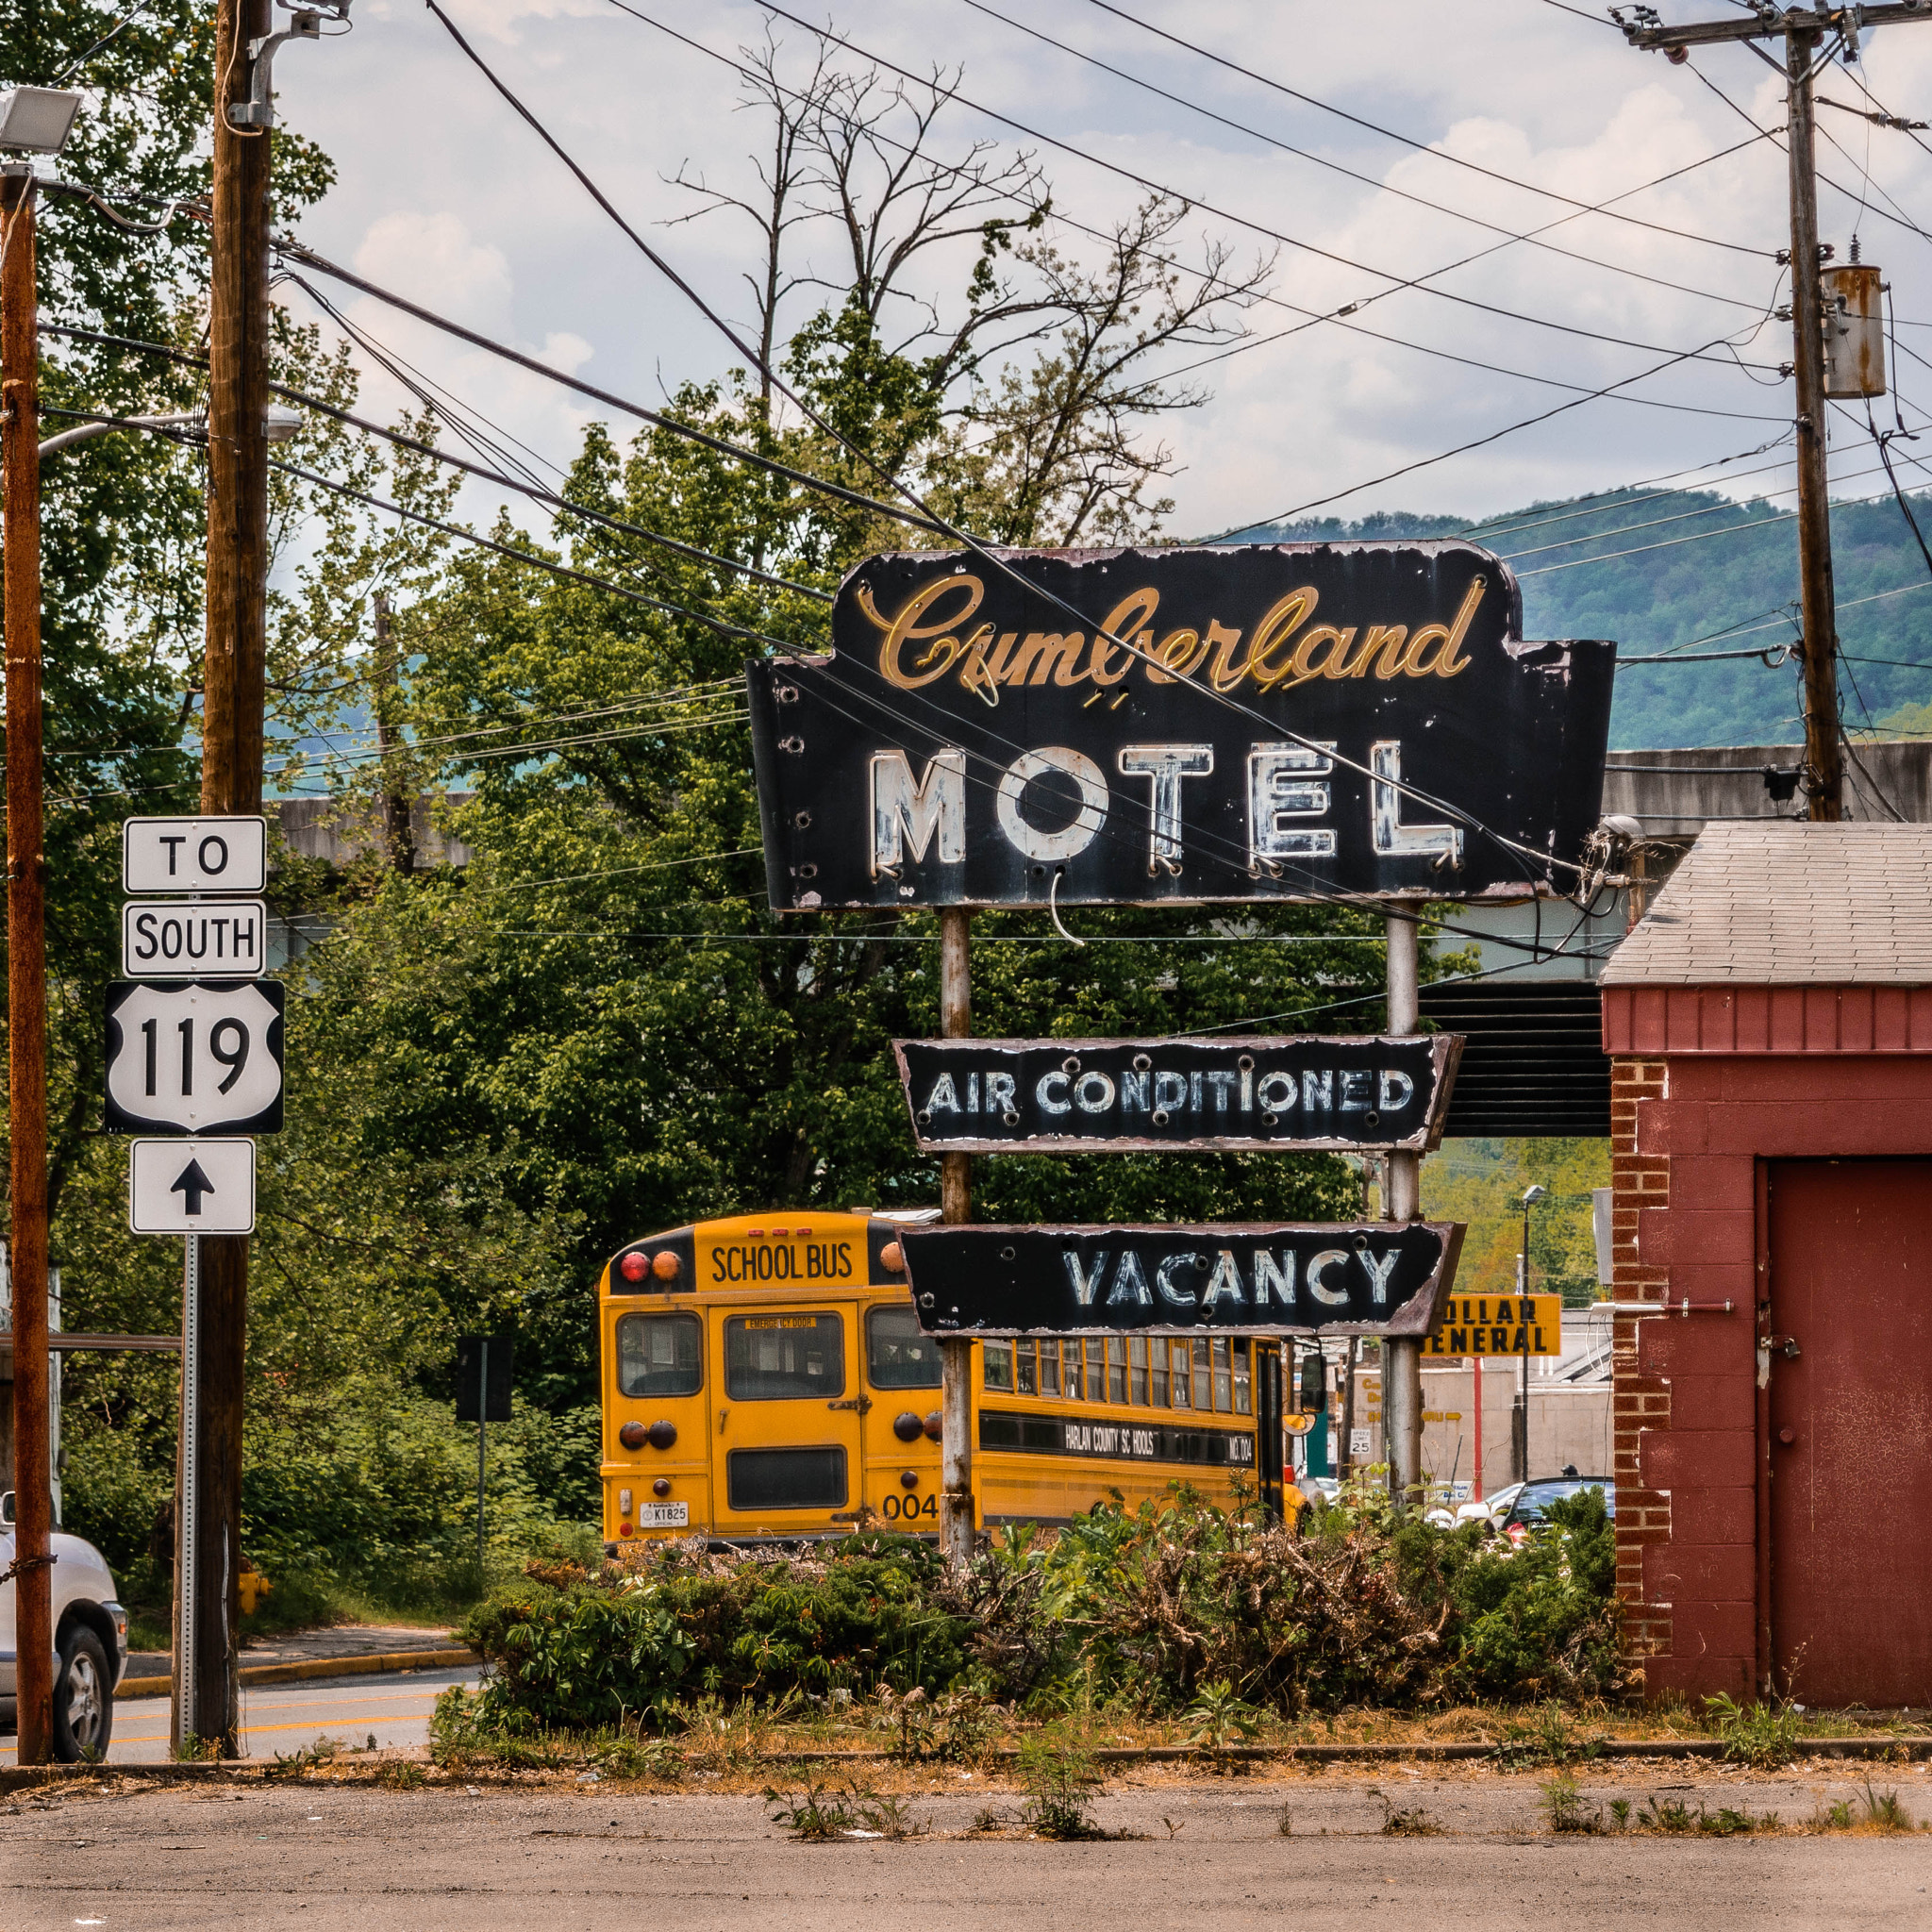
column 1493, row 1325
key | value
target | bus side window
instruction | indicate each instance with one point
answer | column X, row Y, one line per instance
column 1203, row 1377
column 897, row 1355
column 1096, row 1371
column 1025, row 1381
column 1050, row 1368
column 1159, row 1347
column 1182, row 1352
column 1116, row 1368
column 1137, row 1360
column 659, row 1355
column 1243, row 1386
column 1224, row 1385
column 996, row 1366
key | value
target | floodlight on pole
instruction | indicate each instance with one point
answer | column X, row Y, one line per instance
column 36, row 120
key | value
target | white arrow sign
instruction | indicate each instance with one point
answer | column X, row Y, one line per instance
column 194, row 1057
column 193, row 938
column 200, row 855
column 191, row 1186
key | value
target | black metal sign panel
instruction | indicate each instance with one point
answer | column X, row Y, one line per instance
column 1111, row 1096
column 1152, row 1442
column 1370, row 1277
column 1304, row 720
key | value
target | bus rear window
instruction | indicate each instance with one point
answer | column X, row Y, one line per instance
column 897, row 1356
column 779, row 1357
column 659, row 1355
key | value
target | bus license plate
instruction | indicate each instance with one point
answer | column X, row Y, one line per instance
column 664, row 1516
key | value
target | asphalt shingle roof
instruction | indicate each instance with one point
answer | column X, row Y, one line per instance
column 1789, row 903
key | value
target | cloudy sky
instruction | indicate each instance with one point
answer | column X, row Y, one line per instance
column 446, row 196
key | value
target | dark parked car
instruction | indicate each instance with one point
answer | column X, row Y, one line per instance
column 1527, row 1512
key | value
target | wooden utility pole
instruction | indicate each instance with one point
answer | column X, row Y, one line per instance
column 1823, row 758
column 233, row 685
column 398, row 831
column 26, row 967
column 1804, row 31
column 955, row 1208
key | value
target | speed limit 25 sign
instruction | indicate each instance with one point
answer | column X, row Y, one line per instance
column 195, row 1059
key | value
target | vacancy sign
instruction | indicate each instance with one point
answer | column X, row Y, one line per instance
column 191, row 1186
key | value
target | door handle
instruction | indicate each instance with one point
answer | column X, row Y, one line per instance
column 860, row 1403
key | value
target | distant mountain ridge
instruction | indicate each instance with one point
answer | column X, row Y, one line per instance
column 1670, row 593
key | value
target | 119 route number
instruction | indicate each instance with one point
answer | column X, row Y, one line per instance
column 195, row 1059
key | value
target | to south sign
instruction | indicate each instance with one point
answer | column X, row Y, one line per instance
column 1111, row 1097
column 1370, row 1277
column 1289, row 722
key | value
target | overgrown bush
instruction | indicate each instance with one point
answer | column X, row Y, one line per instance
column 576, row 1649
column 1165, row 1609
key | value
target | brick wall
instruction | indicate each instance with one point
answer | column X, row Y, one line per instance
column 1706, row 1083
column 1640, row 1401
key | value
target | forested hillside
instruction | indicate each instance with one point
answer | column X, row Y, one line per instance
column 1678, row 581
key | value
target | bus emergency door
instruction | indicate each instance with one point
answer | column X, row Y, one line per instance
column 785, row 1418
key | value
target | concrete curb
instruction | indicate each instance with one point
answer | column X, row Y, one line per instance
column 25, row 1778
column 301, row 1672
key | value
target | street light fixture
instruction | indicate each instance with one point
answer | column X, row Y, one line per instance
column 37, row 118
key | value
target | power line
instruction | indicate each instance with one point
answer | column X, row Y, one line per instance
column 595, row 583
column 1513, row 236
column 1312, row 317
column 1410, row 141
column 1397, row 281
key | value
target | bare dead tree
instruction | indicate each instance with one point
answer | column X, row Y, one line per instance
column 874, row 175
column 1045, row 373
column 795, row 114
column 1052, row 444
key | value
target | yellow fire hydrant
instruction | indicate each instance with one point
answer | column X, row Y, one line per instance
column 253, row 1586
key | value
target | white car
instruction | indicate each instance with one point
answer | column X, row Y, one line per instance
column 1493, row 1506
column 89, row 1638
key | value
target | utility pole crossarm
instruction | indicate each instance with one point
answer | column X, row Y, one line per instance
column 1643, row 29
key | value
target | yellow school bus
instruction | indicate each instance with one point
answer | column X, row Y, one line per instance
column 765, row 1379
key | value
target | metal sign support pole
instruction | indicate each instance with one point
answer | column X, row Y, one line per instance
column 482, row 1434
column 1402, row 1380
column 956, row 1208
column 187, row 1492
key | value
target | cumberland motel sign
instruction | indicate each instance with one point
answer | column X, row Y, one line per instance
column 1232, row 723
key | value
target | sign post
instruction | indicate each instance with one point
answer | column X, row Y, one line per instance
column 194, row 1045
column 484, row 1374
column 955, row 1208
column 1402, row 1383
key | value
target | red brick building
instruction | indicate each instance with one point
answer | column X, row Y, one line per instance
column 1770, row 1027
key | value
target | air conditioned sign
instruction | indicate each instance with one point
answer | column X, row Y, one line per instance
column 1362, row 1278
column 1110, row 1097
column 1273, row 722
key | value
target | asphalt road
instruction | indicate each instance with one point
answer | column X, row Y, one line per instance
column 285, row 1718
column 321, row 1856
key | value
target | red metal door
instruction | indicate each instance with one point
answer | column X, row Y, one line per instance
column 1850, row 1452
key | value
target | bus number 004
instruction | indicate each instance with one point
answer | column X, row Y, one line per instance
column 895, row 1507
column 228, row 1041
